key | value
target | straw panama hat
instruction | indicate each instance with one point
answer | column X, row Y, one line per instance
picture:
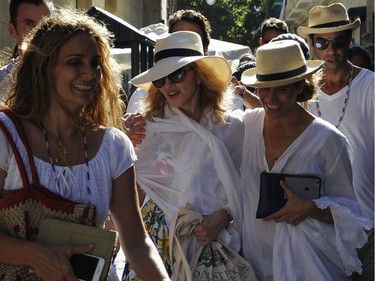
column 279, row 63
column 327, row 19
column 175, row 50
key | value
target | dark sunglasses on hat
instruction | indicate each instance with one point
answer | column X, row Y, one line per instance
column 176, row 77
column 337, row 43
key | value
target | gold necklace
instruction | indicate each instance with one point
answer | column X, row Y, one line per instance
column 75, row 155
column 61, row 148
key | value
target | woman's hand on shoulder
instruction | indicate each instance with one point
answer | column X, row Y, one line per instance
column 295, row 210
column 53, row 262
column 135, row 127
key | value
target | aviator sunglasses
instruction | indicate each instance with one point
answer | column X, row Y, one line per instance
column 337, row 43
column 176, row 77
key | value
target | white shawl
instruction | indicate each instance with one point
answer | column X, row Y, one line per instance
column 181, row 162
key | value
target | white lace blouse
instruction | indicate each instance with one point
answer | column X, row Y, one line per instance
column 114, row 157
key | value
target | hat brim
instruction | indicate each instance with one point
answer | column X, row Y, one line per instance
column 305, row 31
column 249, row 76
column 219, row 66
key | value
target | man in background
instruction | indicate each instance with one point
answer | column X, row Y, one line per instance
column 346, row 100
column 24, row 16
column 271, row 28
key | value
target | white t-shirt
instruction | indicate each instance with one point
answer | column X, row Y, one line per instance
column 115, row 155
column 358, row 126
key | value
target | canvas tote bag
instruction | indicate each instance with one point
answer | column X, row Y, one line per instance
column 213, row 262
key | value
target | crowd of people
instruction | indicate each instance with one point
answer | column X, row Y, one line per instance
column 184, row 147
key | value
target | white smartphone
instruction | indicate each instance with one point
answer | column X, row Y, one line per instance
column 87, row 267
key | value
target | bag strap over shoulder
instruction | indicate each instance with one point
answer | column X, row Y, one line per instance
column 21, row 165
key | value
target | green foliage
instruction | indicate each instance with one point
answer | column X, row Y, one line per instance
column 266, row 7
column 235, row 21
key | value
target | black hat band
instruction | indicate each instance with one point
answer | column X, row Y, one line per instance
column 181, row 52
column 331, row 24
column 282, row 75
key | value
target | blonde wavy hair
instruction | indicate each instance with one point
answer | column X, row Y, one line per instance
column 214, row 95
column 30, row 93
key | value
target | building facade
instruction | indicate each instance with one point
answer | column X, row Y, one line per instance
column 138, row 13
column 296, row 14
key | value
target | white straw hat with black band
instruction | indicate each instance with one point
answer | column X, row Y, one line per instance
column 327, row 19
column 279, row 63
column 178, row 49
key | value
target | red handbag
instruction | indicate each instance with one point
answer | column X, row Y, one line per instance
column 22, row 210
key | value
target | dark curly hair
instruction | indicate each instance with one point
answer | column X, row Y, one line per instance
column 192, row 17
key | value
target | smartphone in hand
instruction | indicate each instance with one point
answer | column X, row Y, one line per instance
column 305, row 187
column 87, row 267
column 272, row 197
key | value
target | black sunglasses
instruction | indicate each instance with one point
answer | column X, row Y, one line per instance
column 176, row 77
column 337, row 43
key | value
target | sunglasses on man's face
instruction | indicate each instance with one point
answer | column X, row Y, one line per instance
column 337, row 43
column 176, row 77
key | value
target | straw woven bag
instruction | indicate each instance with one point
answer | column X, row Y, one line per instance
column 22, row 210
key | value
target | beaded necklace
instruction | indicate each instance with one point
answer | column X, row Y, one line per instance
column 347, row 94
column 88, row 190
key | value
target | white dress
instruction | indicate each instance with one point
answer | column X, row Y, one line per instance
column 115, row 155
column 358, row 127
column 312, row 250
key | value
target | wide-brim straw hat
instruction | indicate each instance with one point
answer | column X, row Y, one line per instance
column 279, row 63
column 175, row 50
column 327, row 19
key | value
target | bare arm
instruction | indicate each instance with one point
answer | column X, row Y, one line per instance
column 250, row 100
column 138, row 247
column 141, row 195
